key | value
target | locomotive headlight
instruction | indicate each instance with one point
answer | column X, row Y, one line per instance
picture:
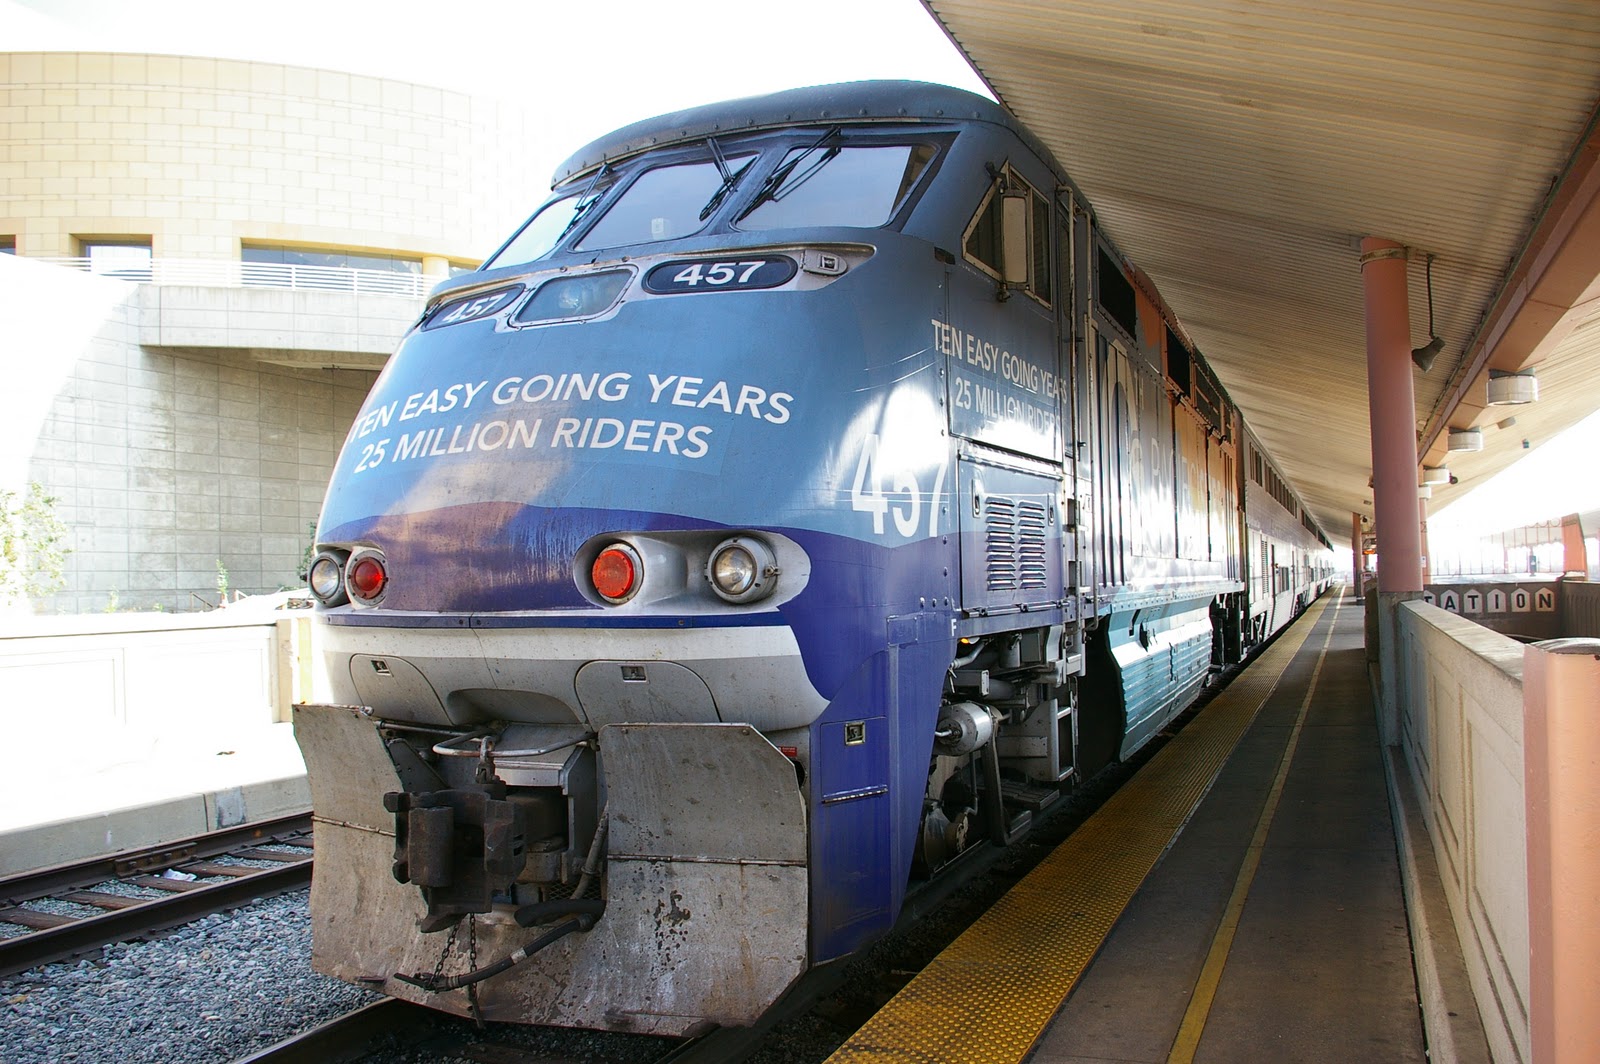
column 326, row 578
column 569, row 298
column 742, row 569
column 616, row 573
column 366, row 576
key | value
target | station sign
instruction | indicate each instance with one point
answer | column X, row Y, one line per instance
column 1493, row 600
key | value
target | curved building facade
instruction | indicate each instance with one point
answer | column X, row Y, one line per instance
column 203, row 156
column 209, row 261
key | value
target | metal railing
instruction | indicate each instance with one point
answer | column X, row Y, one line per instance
column 1580, row 608
column 223, row 273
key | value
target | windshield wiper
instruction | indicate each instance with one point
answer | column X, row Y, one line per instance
column 730, row 178
column 586, row 199
column 770, row 188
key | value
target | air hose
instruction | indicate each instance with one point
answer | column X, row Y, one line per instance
column 438, row 984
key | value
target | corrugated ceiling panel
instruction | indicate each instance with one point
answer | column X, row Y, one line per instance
column 1237, row 151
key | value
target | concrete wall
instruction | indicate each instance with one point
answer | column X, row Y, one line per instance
column 165, row 461
column 349, row 330
column 1460, row 722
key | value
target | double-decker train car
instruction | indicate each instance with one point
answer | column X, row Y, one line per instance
column 807, row 493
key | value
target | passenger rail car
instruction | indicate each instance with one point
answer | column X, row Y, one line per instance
column 806, row 493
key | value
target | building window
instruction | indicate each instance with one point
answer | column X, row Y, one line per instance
column 331, row 257
column 125, row 257
column 328, row 269
column 8, row 245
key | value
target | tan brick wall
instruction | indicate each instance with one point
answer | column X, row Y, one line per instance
column 201, row 154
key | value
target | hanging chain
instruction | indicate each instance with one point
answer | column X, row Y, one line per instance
column 472, row 966
column 438, row 969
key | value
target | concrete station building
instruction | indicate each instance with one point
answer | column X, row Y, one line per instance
column 209, row 261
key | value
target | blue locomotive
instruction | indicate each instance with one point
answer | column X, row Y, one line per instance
column 807, row 493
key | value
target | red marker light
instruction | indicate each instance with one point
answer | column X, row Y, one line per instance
column 616, row 573
column 367, row 577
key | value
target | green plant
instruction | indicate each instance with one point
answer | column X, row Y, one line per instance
column 32, row 545
column 222, row 583
column 309, row 552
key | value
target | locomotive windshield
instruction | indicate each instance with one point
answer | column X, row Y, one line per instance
column 843, row 186
column 826, row 182
column 662, row 203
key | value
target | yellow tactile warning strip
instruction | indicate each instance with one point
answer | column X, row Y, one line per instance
column 989, row 995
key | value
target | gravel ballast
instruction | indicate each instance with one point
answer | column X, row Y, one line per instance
column 215, row 990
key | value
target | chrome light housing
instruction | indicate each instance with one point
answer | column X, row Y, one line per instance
column 366, row 576
column 742, row 570
column 325, row 577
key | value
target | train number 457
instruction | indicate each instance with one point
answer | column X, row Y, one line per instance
column 903, row 501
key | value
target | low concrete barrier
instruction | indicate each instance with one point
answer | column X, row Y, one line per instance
column 1461, row 730
column 152, row 672
column 129, row 730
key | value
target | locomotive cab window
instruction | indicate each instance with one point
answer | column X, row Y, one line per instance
column 848, row 186
column 662, row 203
column 543, row 231
column 985, row 243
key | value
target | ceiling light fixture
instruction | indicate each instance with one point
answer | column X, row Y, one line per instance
column 1512, row 389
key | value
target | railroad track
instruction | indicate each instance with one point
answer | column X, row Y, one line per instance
column 389, row 1022
column 183, row 881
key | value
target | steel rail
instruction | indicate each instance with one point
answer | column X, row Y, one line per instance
column 347, row 1037
column 55, row 937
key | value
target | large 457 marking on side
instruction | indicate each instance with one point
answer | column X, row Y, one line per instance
column 904, row 499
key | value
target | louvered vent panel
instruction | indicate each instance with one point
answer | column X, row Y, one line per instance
column 1031, row 567
column 1014, row 539
column 1000, row 541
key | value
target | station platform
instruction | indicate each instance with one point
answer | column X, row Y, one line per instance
column 64, row 801
column 1251, row 894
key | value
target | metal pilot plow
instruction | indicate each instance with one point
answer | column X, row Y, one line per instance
column 705, row 885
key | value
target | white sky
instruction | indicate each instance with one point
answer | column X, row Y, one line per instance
column 594, row 66
column 589, row 67
column 1551, row 482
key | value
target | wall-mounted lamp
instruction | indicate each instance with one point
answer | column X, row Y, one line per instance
column 1435, row 475
column 1464, row 440
column 1424, row 491
column 1512, row 389
column 1423, row 356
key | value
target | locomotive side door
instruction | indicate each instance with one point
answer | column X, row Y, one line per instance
column 1003, row 399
